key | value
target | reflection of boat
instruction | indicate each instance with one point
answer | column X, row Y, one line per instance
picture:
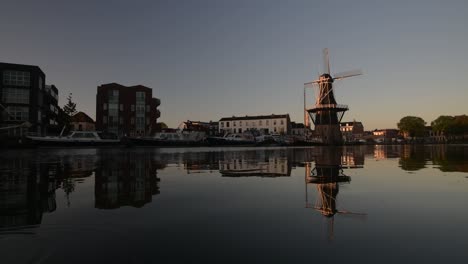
column 81, row 138
column 232, row 139
column 172, row 138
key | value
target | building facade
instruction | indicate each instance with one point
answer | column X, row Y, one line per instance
column 300, row 131
column 352, row 130
column 82, row 122
column 126, row 110
column 25, row 100
column 265, row 124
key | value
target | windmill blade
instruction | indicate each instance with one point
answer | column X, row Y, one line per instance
column 326, row 61
column 348, row 213
column 347, row 74
column 310, row 84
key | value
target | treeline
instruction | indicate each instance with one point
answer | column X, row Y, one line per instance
column 451, row 125
column 415, row 126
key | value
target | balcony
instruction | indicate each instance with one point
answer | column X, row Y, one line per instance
column 331, row 107
column 157, row 101
column 157, row 113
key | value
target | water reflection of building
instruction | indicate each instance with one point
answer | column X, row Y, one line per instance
column 262, row 163
column 125, row 179
column 200, row 162
column 271, row 167
column 27, row 190
column 386, row 151
column 327, row 175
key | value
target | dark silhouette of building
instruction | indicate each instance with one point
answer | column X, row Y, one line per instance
column 129, row 179
column 130, row 111
column 27, row 191
column 24, row 97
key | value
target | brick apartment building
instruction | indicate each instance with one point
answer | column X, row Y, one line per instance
column 25, row 99
column 126, row 110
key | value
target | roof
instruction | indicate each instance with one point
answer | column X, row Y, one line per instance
column 82, row 117
column 15, row 66
column 352, row 123
column 272, row 116
column 297, row 125
column 118, row 85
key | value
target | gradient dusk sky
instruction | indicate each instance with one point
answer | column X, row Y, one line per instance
column 210, row 59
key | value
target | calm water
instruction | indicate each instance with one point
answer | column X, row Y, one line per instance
column 396, row 204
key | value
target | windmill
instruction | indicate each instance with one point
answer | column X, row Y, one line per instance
column 327, row 114
column 327, row 175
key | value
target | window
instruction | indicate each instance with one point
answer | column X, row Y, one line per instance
column 140, row 111
column 104, row 106
column 133, row 108
column 240, row 130
column 17, row 113
column 147, row 120
column 121, row 120
column 274, row 122
column 132, row 120
column 39, row 116
column 15, row 95
column 227, row 124
column 121, row 107
column 234, row 123
column 148, row 108
column 17, row 78
column 104, row 119
column 240, row 123
column 40, row 83
column 222, row 124
column 260, row 122
column 268, row 122
column 282, row 123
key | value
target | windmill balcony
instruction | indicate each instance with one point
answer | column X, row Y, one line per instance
column 336, row 107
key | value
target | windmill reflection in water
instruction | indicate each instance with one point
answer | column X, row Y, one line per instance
column 327, row 175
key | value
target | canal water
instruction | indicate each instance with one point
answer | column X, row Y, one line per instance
column 368, row 204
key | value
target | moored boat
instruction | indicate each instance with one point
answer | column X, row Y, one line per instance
column 232, row 139
column 76, row 138
column 171, row 138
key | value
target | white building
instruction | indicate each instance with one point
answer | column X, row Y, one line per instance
column 266, row 124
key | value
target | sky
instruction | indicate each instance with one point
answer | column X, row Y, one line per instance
column 211, row 59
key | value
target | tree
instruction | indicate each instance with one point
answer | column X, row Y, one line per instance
column 160, row 126
column 451, row 125
column 70, row 107
column 67, row 112
column 412, row 125
column 443, row 124
column 460, row 125
column 163, row 125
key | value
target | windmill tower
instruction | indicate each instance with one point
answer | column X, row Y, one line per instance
column 327, row 175
column 327, row 114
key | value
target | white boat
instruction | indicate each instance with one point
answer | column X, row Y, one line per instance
column 80, row 138
column 172, row 138
column 232, row 139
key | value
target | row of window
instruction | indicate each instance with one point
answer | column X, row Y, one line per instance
column 15, row 95
column 139, row 108
column 239, row 130
column 16, row 113
column 17, row 78
column 251, row 123
column 140, row 121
